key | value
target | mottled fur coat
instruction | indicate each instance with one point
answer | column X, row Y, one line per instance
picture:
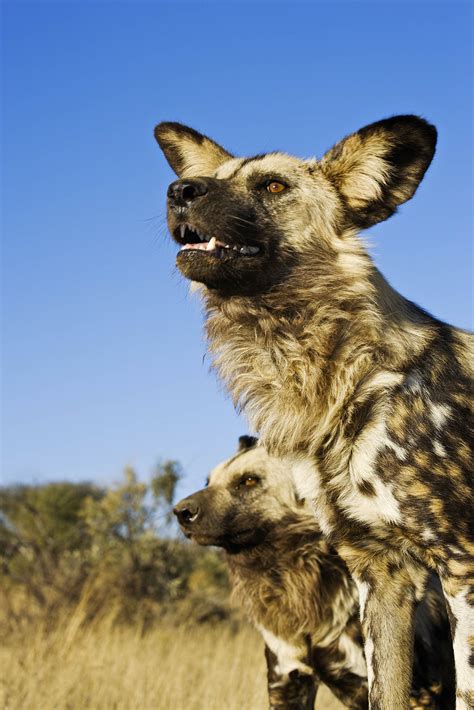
column 298, row 592
column 368, row 396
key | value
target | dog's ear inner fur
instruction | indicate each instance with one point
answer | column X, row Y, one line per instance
column 189, row 153
column 380, row 166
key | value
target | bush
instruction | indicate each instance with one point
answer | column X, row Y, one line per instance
column 105, row 552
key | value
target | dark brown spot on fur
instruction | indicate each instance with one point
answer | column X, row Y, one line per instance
column 366, row 488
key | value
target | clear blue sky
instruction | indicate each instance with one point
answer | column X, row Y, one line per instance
column 102, row 347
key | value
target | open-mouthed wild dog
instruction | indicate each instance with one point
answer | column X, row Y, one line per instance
column 367, row 394
column 298, row 592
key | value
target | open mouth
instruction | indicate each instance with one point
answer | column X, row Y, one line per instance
column 191, row 238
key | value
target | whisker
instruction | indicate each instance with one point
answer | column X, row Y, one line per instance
column 241, row 219
column 150, row 219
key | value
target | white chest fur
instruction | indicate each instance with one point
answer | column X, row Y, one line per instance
column 377, row 509
column 307, row 481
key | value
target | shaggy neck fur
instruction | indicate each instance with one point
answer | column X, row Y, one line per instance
column 302, row 567
column 300, row 359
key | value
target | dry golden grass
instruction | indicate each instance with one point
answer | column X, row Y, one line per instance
column 106, row 668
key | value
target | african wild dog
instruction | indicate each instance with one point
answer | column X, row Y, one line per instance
column 366, row 393
column 298, row 592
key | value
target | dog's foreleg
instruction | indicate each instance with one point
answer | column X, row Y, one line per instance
column 292, row 684
column 337, row 666
column 387, row 606
column 459, row 595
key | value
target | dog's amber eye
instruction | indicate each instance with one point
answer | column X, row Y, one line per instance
column 248, row 481
column 275, row 187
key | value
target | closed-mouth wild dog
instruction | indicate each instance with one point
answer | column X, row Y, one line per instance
column 298, row 592
column 367, row 394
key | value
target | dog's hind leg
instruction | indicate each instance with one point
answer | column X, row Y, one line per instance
column 434, row 683
column 388, row 591
column 459, row 594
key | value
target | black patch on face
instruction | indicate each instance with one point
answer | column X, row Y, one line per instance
column 237, row 219
column 242, row 530
column 231, row 275
column 234, row 528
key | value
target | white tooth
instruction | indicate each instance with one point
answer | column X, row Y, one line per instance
column 182, row 230
column 211, row 244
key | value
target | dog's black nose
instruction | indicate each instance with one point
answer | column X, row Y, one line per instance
column 187, row 511
column 182, row 192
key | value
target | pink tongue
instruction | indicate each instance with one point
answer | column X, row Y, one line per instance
column 195, row 246
column 203, row 246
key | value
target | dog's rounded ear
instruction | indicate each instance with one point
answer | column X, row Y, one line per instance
column 189, row 153
column 247, row 442
column 380, row 167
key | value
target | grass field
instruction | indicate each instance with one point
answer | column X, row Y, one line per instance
column 106, row 668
